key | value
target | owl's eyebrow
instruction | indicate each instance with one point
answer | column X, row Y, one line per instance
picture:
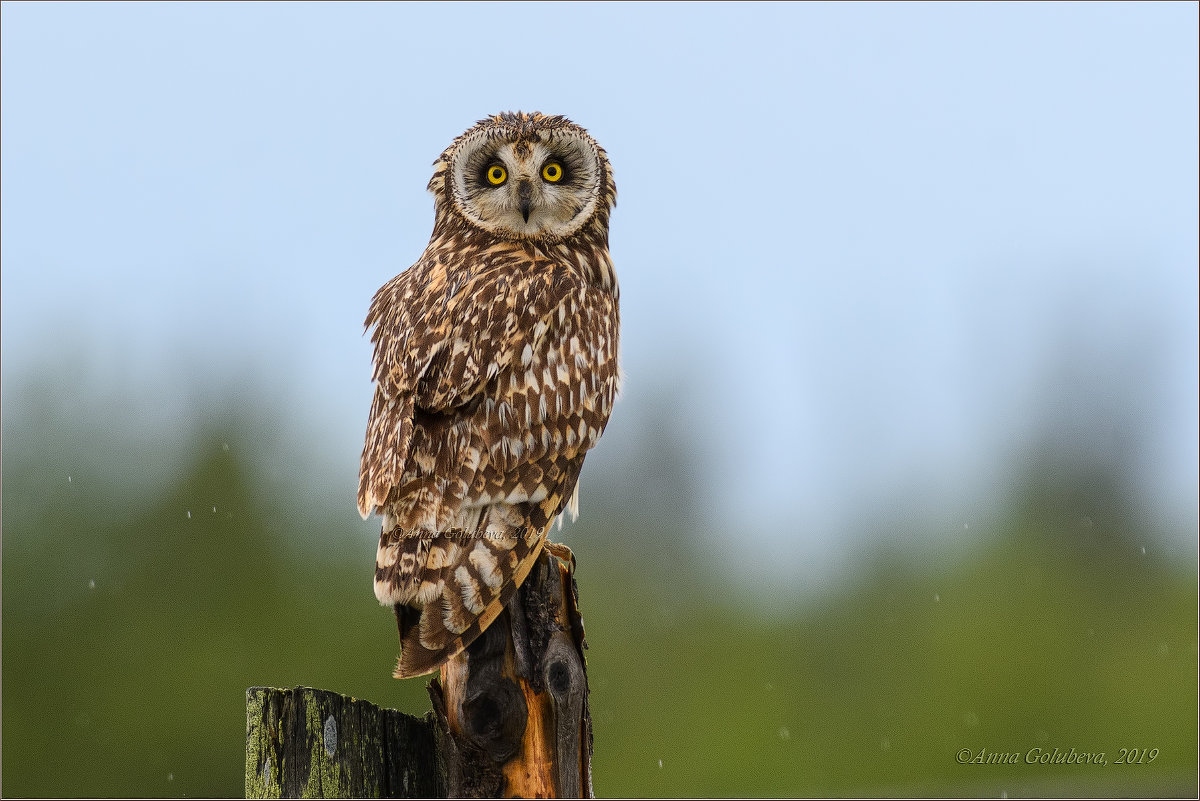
column 481, row 159
column 569, row 157
column 489, row 153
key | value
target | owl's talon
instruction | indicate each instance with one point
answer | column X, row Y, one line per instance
column 561, row 551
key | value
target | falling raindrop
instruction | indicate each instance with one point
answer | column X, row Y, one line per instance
column 660, row 763
column 189, row 514
column 170, row 777
column 214, row 510
column 936, row 597
column 91, row 584
column 69, row 481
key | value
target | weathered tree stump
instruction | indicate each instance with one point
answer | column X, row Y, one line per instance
column 512, row 711
column 510, row 718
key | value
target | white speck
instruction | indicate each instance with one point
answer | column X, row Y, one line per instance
column 1143, row 547
column 784, row 734
column 214, row 510
column 966, row 526
column 91, row 584
column 885, row 744
column 660, row 763
column 189, row 514
column 69, row 481
column 170, row 777
column 937, row 597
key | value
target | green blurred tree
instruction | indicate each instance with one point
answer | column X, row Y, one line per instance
column 143, row 591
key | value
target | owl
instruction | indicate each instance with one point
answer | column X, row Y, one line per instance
column 496, row 370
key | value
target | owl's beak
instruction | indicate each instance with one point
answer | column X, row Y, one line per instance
column 525, row 198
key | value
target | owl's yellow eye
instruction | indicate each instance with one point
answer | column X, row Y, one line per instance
column 496, row 175
column 552, row 172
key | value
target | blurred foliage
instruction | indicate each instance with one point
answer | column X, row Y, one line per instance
column 134, row 620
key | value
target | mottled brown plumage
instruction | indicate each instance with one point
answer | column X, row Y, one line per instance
column 496, row 369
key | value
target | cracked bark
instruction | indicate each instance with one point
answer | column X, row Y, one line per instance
column 513, row 708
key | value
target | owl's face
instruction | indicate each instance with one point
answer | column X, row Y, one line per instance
column 526, row 176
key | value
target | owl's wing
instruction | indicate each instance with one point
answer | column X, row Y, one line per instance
column 438, row 341
column 550, row 341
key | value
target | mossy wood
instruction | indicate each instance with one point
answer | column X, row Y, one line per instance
column 307, row 743
column 510, row 718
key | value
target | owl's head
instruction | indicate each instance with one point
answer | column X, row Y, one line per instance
column 526, row 177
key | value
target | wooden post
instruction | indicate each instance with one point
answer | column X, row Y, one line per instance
column 306, row 743
column 510, row 718
column 513, row 709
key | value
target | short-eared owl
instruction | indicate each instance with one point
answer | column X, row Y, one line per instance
column 496, row 371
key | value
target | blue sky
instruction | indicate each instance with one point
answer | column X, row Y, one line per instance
column 866, row 239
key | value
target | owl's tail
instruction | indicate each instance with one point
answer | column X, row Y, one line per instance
column 458, row 583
